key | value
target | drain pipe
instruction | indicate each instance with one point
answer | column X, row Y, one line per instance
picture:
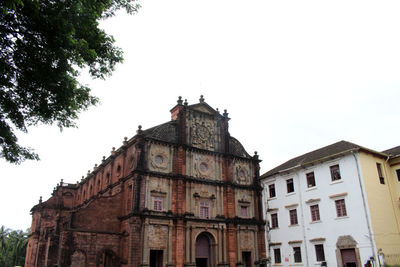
column 364, row 204
column 303, row 221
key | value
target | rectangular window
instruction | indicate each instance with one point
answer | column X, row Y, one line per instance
column 319, row 252
column 271, row 189
column 314, row 213
column 398, row 174
column 293, row 217
column 277, row 255
column 289, row 185
column 310, row 179
column 297, row 254
column 274, row 220
column 204, row 210
column 243, row 211
column 340, row 208
column 158, row 203
column 335, row 173
column 381, row 178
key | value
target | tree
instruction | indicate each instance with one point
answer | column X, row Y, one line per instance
column 43, row 46
column 13, row 247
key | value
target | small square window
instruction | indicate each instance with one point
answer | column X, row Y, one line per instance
column 297, row 254
column 340, row 208
column 274, row 220
column 314, row 213
column 319, row 252
column 158, row 203
column 271, row 190
column 310, row 179
column 293, row 217
column 398, row 174
column 204, row 210
column 289, row 185
column 335, row 173
column 277, row 255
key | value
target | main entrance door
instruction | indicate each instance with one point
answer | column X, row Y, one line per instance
column 203, row 251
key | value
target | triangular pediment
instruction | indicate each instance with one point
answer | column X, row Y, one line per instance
column 203, row 107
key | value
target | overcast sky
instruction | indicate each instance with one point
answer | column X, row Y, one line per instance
column 294, row 76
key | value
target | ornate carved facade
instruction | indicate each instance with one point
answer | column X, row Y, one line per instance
column 184, row 193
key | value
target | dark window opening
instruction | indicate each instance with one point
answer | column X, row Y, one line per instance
column 246, row 258
column 297, row 254
column 314, row 213
column 156, row 258
column 271, row 189
column 381, row 178
column 274, row 220
column 335, row 173
column 310, row 179
column 289, row 185
column 277, row 255
column 398, row 174
column 340, row 208
column 319, row 252
column 293, row 217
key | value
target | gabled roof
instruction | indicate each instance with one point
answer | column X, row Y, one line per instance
column 326, row 152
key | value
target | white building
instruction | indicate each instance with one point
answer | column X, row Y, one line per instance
column 317, row 208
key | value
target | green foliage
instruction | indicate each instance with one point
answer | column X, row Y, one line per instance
column 12, row 247
column 43, row 45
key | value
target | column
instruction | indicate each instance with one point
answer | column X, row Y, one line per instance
column 170, row 229
column 145, row 248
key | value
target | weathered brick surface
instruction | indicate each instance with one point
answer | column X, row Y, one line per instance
column 109, row 216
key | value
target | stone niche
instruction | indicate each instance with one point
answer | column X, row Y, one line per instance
column 203, row 166
column 160, row 158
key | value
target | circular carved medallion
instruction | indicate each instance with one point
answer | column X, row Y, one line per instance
column 158, row 159
column 203, row 167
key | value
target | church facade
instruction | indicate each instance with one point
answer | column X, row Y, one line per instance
column 183, row 193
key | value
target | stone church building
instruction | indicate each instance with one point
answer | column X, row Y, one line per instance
column 183, row 193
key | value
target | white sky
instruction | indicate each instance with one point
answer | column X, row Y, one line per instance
column 293, row 75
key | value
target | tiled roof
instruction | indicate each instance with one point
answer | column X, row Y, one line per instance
column 312, row 156
column 167, row 132
column 164, row 132
column 393, row 152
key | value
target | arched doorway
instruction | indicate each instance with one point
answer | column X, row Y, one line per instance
column 205, row 246
column 347, row 252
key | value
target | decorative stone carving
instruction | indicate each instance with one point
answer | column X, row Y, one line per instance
column 346, row 241
column 246, row 240
column 159, row 158
column 158, row 236
column 202, row 132
column 203, row 166
column 242, row 173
